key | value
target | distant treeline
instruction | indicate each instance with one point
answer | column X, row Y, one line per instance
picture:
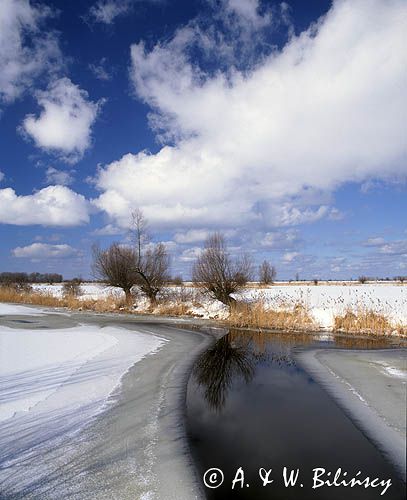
column 6, row 278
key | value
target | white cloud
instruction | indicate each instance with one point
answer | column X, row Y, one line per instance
column 51, row 206
column 290, row 256
column 64, row 125
column 374, row 242
column 106, row 11
column 191, row 236
column 281, row 239
column 247, row 12
column 299, row 119
column 26, row 49
column 395, row 248
column 108, row 230
column 1, row 175
column 42, row 251
column 100, row 70
column 190, row 254
column 55, row 176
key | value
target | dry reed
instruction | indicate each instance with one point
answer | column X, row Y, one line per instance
column 257, row 315
column 111, row 303
column 367, row 321
column 294, row 316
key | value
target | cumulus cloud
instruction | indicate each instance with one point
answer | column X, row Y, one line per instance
column 247, row 146
column 51, row 206
column 26, row 50
column 42, row 251
column 61, row 177
column 65, row 122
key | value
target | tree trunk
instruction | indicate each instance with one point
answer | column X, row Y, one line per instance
column 231, row 302
column 129, row 297
column 226, row 299
column 153, row 299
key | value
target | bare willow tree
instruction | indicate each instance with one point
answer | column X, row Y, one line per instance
column 115, row 266
column 217, row 273
column 267, row 273
column 152, row 262
column 144, row 266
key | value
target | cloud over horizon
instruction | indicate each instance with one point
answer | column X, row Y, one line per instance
column 51, row 206
column 42, row 251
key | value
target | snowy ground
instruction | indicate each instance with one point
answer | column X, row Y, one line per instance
column 89, row 290
column 65, row 369
column 323, row 302
column 54, row 382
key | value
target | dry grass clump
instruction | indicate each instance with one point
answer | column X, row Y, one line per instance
column 177, row 309
column 11, row 294
column 108, row 304
column 173, row 303
column 367, row 321
column 101, row 305
column 256, row 315
column 176, row 302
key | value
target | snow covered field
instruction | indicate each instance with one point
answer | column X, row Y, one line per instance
column 54, row 382
column 89, row 290
column 322, row 301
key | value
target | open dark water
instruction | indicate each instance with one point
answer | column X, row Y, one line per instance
column 249, row 405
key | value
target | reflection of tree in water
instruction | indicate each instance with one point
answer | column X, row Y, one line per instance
column 237, row 354
column 217, row 367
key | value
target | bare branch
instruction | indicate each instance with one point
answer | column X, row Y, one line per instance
column 267, row 273
column 217, row 273
column 152, row 263
column 116, row 266
column 139, row 231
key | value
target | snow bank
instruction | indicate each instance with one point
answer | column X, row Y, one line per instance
column 53, row 383
column 89, row 290
column 11, row 309
column 65, row 369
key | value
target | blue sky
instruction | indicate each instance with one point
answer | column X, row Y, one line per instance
column 281, row 124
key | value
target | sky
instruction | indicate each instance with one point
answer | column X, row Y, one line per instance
column 280, row 124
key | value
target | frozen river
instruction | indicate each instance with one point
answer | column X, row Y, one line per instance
column 92, row 406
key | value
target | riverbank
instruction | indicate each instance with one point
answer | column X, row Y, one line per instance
column 369, row 309
column 370, row 386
